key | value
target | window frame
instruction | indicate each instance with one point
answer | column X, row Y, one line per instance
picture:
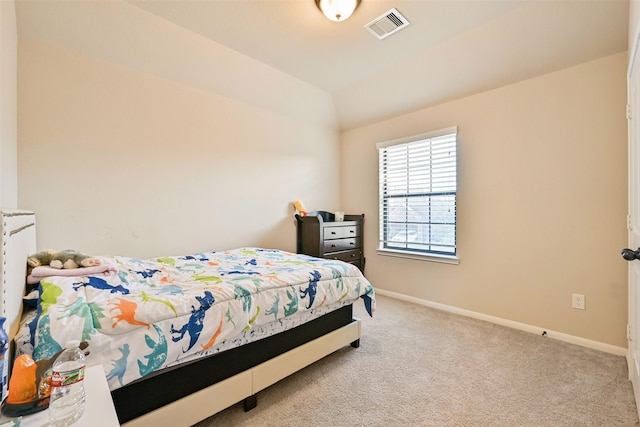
column 408, row 252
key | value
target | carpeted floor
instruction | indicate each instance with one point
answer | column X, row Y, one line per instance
column 418, row 366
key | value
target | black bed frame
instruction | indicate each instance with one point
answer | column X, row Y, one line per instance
column 161, row 388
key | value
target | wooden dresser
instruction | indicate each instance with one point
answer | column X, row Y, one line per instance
column 320, row 235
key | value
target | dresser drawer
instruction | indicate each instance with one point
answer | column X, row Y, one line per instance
column 341, row 232
column 347, row 256
column 319, row 235
column 341, row 244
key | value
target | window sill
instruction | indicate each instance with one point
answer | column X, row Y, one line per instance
column 446, row 259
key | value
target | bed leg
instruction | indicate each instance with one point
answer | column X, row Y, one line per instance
column 355, row 344
column 250, row 402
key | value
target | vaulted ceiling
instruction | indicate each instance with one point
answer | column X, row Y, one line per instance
column 451, row 49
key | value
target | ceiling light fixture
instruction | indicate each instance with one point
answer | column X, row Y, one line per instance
column 337, row 10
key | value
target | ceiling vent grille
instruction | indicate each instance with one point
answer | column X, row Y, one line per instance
column 387, row 24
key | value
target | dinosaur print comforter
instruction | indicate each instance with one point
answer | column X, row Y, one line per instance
column 157, row 313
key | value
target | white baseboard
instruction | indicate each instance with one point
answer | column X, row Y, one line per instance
column 596, row 345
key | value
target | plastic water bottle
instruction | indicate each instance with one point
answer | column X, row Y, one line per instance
column 66, row 404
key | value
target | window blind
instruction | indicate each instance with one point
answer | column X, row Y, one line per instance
column 418, row 193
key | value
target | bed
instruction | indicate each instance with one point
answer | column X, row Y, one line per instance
column 181, row 338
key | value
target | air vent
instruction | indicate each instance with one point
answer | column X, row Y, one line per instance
column 387, row 24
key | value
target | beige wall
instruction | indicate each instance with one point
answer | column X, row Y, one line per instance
column 149, row 157
column 114, row 160
column 542, row 202
column 8, row 106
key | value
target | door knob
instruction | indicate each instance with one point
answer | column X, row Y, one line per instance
column 630, row 255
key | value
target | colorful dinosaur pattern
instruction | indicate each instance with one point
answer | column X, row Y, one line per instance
column 81, row 309
column 195, row 324
column 145, row 274
column 119, row 365
column 98, row 283
column 208, row 279
column 215, row 336
column 127, row 313
column 158, row 354
column 156, row 313
column 45, row 344
column 274, row 307
column 229, row 317
column 252, row 320
column 242, row 293
column 292, row 307
column 311, row 290
column 147, row 298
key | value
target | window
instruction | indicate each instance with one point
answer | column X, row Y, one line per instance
column 418, row 195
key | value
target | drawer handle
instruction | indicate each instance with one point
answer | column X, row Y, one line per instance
column 333, row 246
column 353, row 255
column 352, row 231
column 333, row 232
column 352, row 244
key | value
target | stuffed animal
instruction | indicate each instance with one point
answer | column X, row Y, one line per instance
column 73, row 259
column 40, row 258
column 63, row 259
column 299, row 207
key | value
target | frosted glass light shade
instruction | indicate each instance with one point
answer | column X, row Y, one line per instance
column 337, row 10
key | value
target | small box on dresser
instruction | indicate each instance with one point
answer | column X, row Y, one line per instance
column 319, row 234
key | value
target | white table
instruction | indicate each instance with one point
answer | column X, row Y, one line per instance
column 98, row 407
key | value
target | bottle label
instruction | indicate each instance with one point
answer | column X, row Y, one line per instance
column 64, row 378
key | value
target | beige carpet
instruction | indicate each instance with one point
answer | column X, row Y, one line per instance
column 422, row 367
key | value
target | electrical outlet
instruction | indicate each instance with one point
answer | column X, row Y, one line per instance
column 577, row 301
